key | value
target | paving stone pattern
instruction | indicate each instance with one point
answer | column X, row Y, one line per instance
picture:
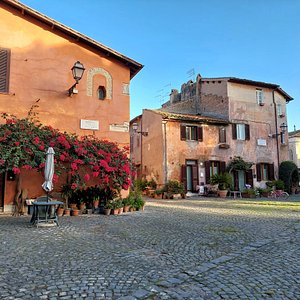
column 183, row 249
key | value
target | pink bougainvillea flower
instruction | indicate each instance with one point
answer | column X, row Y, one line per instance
column 86, row 177
column 17, row 144
column 16, row 170
column 73, row 186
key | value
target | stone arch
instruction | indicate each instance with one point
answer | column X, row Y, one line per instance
column 90, row 75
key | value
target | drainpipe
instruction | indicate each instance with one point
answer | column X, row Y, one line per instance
column 165, row 166
column 276, row 130
column 141, row 136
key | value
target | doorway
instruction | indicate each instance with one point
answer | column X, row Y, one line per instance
column 190, row 176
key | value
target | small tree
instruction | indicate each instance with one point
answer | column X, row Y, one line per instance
column 288, row 173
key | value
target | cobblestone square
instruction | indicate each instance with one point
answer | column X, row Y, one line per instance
column 183, row 249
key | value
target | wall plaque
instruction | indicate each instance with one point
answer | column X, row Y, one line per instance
column 89, row 124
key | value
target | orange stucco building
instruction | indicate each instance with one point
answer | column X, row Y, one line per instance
column 199, row 131
column 36, row 57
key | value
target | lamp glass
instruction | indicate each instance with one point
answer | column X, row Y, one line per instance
column 77, row 70
column 135, row 126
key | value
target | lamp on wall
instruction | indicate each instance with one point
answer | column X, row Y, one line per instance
column 135, row 127
column 77, row 71
column 283, row 128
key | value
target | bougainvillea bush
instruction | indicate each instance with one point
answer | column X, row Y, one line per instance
column 24, row 142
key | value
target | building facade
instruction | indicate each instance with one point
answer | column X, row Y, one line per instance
column 294, row 146
column 36, row 57
column 202, row 128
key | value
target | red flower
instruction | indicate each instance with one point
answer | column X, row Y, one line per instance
column 86, row 177
column 27, row 167
column 42, row 147
column 74, row 186
column 55, row 178
column 16, row 170
column 17, row 144
column 95, row 174
column 62, row 157
column 36, row 140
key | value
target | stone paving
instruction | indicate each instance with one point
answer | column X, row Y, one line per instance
column 183, row 249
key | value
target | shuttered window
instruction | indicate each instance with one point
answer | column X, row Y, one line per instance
column 264, row 172
column 4, row 70
column 240, row 132
column 191, row 133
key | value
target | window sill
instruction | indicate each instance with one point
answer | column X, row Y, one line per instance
column 261, row 104
column 224, row 146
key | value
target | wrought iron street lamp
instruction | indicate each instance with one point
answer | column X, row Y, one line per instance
column 77, row 71
column 135, row 127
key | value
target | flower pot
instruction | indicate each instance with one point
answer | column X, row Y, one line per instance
column 222, row 193
column 107, row 211
column 121, row 210
column 67, row 212
column 73, row 205
column 126, row 208
column 82, row 206
column 115, row 211
column 60, row 211
column 131, row 209
column 96, row 203
column 75, row 212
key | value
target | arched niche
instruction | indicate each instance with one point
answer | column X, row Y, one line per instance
column 90, row 76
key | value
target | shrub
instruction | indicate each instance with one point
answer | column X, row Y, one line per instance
column 224, row 180
column 288, row 173
column 174, row 187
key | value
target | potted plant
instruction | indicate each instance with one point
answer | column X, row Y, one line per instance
column 249, row 193
column 60, row 210
column 108, row 207
column 173, row 188
column 126, row 204
column 224, row 181
column 115, row 207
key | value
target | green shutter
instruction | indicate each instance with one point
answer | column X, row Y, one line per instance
column 4, row 70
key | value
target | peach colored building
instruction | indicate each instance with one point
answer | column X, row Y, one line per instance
column 204, row 126
column 36, row 57
column 294, row 145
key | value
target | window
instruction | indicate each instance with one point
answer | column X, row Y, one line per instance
column 264, row 172
column 240, row 132
column 280, row 112
column 213, row 167
column 191, row 133
column 259, row 97
column 222, row 135
column 101, row 92
column 4, row 70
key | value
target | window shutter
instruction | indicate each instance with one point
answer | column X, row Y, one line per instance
column 200, row 133
column 195, row 177
column 258, row 172
column 222, row 167
column 222, row 135
column 183, row 133
column 207, row 171
column 4, row 70
column 234, row 131
column 271, row 172
column 247, row 132
column 183, row 176
column 236, row 180
column 249, row 177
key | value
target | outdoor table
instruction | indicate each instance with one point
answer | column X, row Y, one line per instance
column 44, row 212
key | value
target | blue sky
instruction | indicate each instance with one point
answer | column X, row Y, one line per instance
column 252, row 39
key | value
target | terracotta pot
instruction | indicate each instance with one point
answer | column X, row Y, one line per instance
column 126, row 208
column 96, row 203
column 82, row 206
column 115, row 211
column 121, row 209
column 73, row 205
column 131, row 209
column 66, row 212
column 107, row 211
column 75, row 212
column 60, row 211
column 222, row 193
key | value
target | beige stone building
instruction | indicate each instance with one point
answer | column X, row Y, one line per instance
column 294, row 146
column 204, row 126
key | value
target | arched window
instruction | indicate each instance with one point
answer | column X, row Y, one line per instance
column 101, row 92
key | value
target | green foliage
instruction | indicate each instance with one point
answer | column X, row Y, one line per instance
column 224, row 180
column 152, row 184
column 174, row 187
column 288, row 173
column 250, row 192
column 276, row 184
column 237, row 163
column 135, row 199
column 140, row 184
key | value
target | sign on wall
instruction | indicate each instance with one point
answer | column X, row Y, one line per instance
column 89, row 124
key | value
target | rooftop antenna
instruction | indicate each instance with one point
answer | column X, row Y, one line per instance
column 163, row 93
column 191, row 73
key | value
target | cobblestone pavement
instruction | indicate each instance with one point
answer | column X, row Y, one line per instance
column 181, row 249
